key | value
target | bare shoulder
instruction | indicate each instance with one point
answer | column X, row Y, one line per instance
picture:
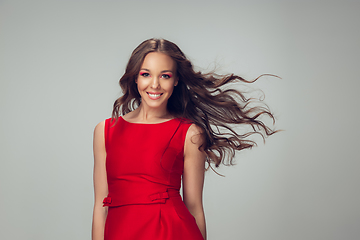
column 99, row 142
column 194, row 130
column 195, row 135
column 99, row 130
column 99, row 126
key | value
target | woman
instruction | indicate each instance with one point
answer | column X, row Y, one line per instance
column 173, row 121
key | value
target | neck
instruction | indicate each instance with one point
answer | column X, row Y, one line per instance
column 148, row 114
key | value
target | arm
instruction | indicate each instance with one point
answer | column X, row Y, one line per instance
column 100, row 183
column 193, row 177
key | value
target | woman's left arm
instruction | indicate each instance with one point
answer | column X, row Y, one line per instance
column 193, row 176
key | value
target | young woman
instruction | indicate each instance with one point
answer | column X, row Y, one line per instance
column 168, row 123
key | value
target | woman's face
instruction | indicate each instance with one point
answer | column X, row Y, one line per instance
column 156, row 80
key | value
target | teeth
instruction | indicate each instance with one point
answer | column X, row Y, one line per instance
column 154, row 95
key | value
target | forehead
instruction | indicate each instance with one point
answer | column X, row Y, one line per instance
column 158, row 61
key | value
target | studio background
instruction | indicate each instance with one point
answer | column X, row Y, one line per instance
column 60, row 62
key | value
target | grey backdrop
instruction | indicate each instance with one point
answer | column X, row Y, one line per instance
column 59, row 69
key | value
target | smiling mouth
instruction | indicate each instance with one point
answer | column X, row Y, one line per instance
column 154, row 95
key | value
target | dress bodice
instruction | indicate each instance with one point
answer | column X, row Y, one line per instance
column 143, row 160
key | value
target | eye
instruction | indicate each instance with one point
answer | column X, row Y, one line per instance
column 166, row 76
column 144, row 74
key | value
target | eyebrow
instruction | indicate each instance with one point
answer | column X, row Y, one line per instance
column 161, row 71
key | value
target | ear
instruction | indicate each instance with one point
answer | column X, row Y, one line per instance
column 176, row 81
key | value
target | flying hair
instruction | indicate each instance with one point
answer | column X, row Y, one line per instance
column 201, row 98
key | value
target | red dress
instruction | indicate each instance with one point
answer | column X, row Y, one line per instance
column 144, row 165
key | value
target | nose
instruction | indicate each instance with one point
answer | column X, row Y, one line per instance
column 155, row 83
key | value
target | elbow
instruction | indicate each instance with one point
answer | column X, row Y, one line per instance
column 195, row 209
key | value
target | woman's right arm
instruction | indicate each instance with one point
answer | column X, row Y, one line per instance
column 100, row 183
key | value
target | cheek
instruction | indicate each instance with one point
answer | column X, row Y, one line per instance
column 169, row 86
column 141, row 85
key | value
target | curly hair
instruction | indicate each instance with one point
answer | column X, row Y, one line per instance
column 200, row 97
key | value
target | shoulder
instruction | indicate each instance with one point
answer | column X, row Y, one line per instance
column 194, row 130
column 195, row 135
column 99, row 138
column 99, row 127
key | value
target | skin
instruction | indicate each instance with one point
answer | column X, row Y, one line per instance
column 156, row 81
column 100, row 183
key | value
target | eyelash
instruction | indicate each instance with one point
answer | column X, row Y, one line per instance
column 144, row 74
column 165, row 76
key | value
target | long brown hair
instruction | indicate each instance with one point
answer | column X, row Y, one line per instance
column 200, row 98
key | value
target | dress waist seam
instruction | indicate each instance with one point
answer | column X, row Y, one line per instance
column 154, row 198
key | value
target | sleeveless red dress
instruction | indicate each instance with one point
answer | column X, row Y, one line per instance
column 144, row 165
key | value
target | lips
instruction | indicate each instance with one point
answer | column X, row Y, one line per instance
column 154, row 96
